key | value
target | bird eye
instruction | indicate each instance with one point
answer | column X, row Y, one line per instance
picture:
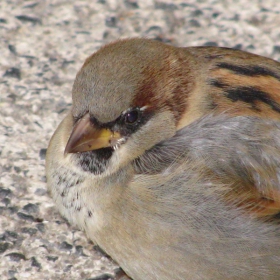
column 132, row 116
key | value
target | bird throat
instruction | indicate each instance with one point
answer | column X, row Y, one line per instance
column 95, row 161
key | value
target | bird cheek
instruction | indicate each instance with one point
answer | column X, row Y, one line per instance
column 159, row 128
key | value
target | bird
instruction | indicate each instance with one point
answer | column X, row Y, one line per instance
column 169, row 160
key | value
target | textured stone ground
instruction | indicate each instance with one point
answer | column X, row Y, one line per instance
column 42, row 45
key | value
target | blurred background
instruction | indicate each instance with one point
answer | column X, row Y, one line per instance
column 42, row 46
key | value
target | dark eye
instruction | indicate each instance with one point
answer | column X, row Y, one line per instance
column 132, row 116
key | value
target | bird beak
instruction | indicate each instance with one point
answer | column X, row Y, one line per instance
column 86, row 137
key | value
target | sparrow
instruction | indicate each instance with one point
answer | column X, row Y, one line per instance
column 169, row 160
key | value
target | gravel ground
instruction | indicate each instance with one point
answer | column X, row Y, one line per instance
column 42, row 46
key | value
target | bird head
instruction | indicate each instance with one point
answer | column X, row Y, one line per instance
column 127, row 97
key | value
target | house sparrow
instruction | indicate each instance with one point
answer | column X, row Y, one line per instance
column 169, row 160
